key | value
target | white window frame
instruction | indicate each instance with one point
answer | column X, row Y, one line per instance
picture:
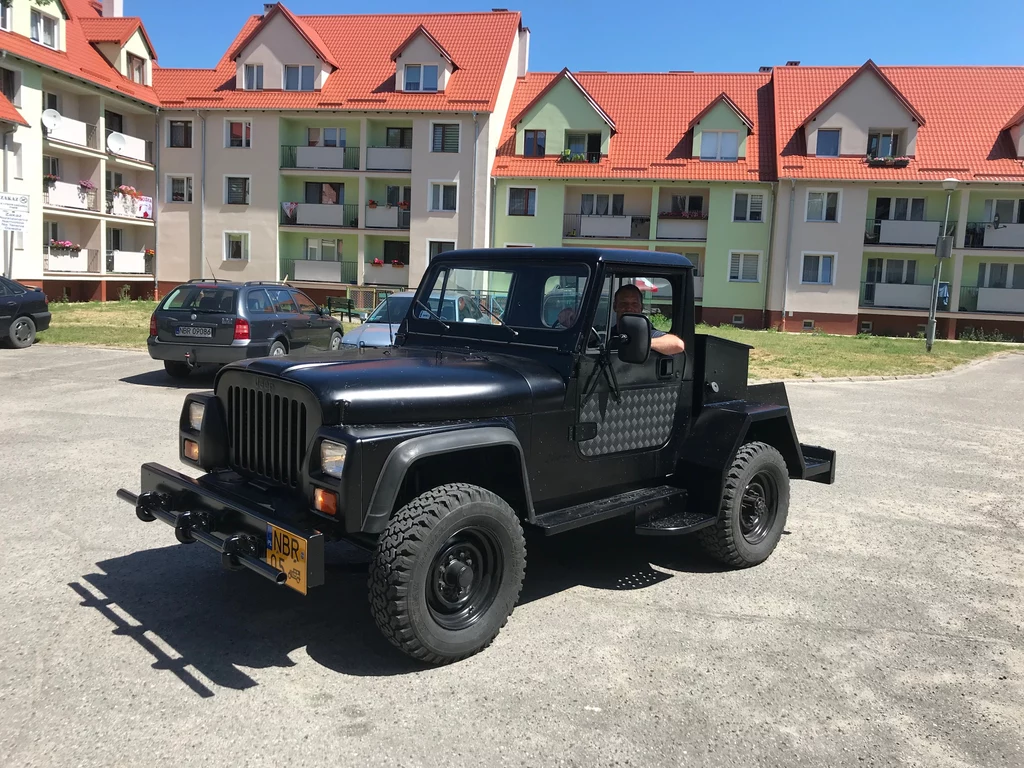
column 257, row 77
column 453, row 241
column 300, row 67
column 338, row 242
column 43, row 18
column 227, row 132
column 5, row 17
column 420, row 88
column 430, row 195
column 19, row 81
column 342, row 135
column 430, row 137
column 56, row 100
column 890, row 132
column 47, row 159
column 508, row 202
column 718, row 152
column 248, row 187
column 910, row 208
column 741, row 253
column 749, row 194
column 128, row 59
column 247, row 255
column 831, row 254
column 989, row 211
column 839, row 146
column 167, row 131
column 51, row 231
column 903, row 274
column 824, row 206
column 190, row 188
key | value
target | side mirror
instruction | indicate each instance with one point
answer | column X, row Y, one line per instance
column 634, row 342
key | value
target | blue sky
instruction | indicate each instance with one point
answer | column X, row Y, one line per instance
column 660, row 36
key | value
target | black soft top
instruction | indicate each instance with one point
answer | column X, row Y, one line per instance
column 587, row 255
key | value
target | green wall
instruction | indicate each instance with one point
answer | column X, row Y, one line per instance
column 976, row 206
column 925, row 266
column 543, row 229
column 724, row 236
column 293, row 188
column 562, row 109
column 377, row 131
column 293, row 132
column 720, row 118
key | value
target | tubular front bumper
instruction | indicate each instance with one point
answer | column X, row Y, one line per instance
column 238, row 528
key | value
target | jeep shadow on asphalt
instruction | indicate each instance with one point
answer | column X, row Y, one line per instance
column 202, row 378
column 218, row 622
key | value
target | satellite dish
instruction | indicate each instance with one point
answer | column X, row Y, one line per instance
column 115, row 143
column 51, row 119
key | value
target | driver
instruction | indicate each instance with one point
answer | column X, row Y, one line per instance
column 630, row 300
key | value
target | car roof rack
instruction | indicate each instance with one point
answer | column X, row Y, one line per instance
column 266, row 282
column 207, row 280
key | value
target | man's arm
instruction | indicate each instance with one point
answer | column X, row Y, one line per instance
column 667, row 344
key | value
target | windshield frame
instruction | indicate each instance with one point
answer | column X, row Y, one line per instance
column 385, row 307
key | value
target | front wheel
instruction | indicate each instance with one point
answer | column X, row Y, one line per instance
column 447, row 573
column 755, row 503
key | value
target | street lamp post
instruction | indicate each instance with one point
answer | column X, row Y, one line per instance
column 943, row 250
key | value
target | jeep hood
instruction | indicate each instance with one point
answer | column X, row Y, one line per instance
column 379, row 386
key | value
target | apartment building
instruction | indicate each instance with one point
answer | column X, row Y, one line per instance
column 79, row 118
column 675, row 162
column 870, row 160
column 335, row 151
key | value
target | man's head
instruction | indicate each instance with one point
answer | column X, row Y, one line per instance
column 628, row 300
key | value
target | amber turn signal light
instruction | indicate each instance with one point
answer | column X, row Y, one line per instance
column 325, row 501
column 192, row 450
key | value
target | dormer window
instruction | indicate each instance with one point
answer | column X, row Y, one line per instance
column 534, row 143
column 45, row 30
column 298, row 78
column 719, row 145
column 136, row 69
column 883, row 143
column 828, row 142
column 254, row 77
column 588, row 144
column 421, row 77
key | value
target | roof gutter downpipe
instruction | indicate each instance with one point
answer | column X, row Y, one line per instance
column 202, row 201
column 8, row 265
column 773, row 202
column 789, row 242
column 472, row 216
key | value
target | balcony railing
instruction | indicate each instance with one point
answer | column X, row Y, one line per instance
column 626, row 227
column 71, row 131
column 314, row 271
column 988, row 234
column 672, row 227
column 320, row 158
column 130, row 147
column 698, row 286
column 63, row 194
column 389, row 158
column 85, row 260
column 320, row 215
column 1003, row 300
column 387, row 217
column 386, row 274
column 129, row 206
column 903, row 295
column 905, row 233
column 130, row 262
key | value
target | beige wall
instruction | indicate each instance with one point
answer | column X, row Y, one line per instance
column 136, row 46
column 1017, row 136
column 844, row 239
column 278, row 44
column 866, row 104
column 422, row 51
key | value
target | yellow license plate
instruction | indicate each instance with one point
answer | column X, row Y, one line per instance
column 287, row 553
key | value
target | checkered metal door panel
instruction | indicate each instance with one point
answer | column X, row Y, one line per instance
column 643, row 419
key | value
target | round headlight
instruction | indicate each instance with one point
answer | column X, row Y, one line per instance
column 195, row 415
column 332, row 458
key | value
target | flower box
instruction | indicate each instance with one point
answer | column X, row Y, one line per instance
column 888, row 162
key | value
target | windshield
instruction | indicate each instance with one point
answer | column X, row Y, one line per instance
column 201, row 298
column 394, row 307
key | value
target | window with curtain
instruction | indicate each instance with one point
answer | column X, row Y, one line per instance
column 534, row 143
column 443, row 197
column 446, row 138
column 522, row 202
column 719, row 145
column 743, row 267
column 399, row 138
column 253, row 77
column 822, row 206
column 180, row 133
column 237, row 190
column 817, row 269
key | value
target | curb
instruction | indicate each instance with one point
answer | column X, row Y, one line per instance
column 897, row 377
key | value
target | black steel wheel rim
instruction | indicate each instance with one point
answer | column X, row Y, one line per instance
column 21, row 331
column 759, row 507
column 464, row 578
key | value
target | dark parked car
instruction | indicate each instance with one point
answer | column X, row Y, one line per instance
column 218, row 322
column 23, row 311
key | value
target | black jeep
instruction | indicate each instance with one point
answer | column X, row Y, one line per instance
column 435, row 453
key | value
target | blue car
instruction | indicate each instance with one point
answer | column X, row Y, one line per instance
column 23, row 312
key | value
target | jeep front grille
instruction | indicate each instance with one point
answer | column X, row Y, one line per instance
column 266, row 433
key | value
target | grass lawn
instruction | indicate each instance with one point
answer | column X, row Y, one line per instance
column 775, row 355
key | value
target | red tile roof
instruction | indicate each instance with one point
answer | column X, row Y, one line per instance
column 311, row 37
column 869, row 66
column 966, row 108
column 79, row 59
column 9, row 113
column 115, row 29
column 422, row 30
column 653, row 113
column 565, row 73
column 723, row 97
column 365, row 79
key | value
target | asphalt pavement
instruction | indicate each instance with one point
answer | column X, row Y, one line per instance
column 885, row 630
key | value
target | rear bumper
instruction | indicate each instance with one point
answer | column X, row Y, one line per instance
column 42, row 320
column 182, row 351
column 232, row 525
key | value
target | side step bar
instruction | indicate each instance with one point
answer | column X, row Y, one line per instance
column 819, row 464
column 658, row 511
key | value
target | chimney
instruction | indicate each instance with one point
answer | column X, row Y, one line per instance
column 113, row 7
column 792, row 63
column 268, row 7
column 524, row 51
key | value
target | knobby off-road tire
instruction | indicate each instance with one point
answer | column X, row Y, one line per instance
column 447, row 573
column 755, row 503
column 177, row 369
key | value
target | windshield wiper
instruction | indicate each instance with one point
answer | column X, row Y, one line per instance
column 435, row 315
column 501, row 322
column 207, row 311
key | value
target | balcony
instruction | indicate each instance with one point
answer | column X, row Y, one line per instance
column 387, row 217
column 673, row 227
column 130, row 262
column 71, row 131
column 903, row 296
column 386, row 274
column 320, row 215
column 389, row 158
column 127, row 147
column 82, row 260
column 988, row 234
column 129, row 204
column 606, row 227
column 321, row 158
column 1002, row 300
column 312, row 271
column 905, row 233
column 63, row 194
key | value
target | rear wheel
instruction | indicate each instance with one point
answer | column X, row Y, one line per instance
column 335, row 341
column 278, row 349
column 447, row 573
column 176, row 369
column 22, row 333
column 754, row 508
